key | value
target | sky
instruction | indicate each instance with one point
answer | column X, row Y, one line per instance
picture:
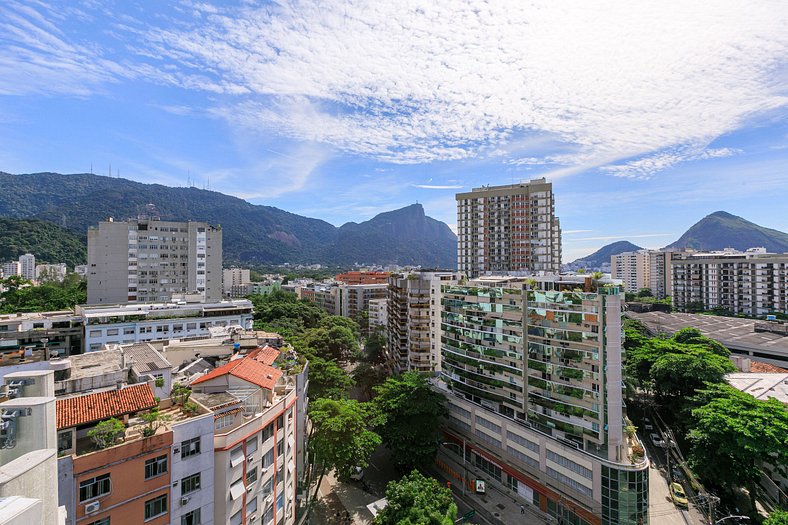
column 646, row 116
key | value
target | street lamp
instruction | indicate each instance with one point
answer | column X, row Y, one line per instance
column 464, row 468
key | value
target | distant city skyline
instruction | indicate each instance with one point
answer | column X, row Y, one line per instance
column 646, row 118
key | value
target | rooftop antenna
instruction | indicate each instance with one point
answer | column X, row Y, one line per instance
column 91, row 167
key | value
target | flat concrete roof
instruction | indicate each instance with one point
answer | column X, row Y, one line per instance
column 761, row 386
column 737, row 334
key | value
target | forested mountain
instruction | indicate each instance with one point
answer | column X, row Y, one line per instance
column 723, row 230
column 48, row 242
column 602, row 255
column 251, row 233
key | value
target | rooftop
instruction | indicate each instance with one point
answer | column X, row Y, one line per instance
column 93, row 364
column 248, row 369
column 734, row 332
column 88, row 311
column 266, row 355
column 761, row 386
column 89, row 408
column 215, row 400
column 146, row 358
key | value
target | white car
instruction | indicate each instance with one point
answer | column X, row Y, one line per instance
column 647, row 424
column 657, row 441
column 358, row 474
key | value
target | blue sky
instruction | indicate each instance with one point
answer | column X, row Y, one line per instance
column 646, row 117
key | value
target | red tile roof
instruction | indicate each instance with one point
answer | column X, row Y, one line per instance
column 248, row 369
column 266, row 355
column 79, row 410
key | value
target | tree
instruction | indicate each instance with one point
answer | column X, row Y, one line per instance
column 335, row 342
column 681, row 374
column 368, row 376
column 328, row 380
column 409, row 416
column 22, row 296
column 374, row 348
column 331, row 321
column 416, row 500
column 180, row 393
column 341, row 439
column 778, row 517
column 154, row 420
column 693, row 336
column 733, row 435
column 645, row 292
column 106, row 433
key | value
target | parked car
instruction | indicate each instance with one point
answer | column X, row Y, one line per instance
column 678, row 495
column 657, row 440
column 647, row 424
column 677, row 474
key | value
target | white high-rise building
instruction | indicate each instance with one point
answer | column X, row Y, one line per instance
column 644, row 269
column 149, row 260
column 27, row 266
column 11, row 268
column 509, row 228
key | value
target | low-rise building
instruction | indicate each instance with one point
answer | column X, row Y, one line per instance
column 11, row 268
column 363, row 277
column 39, row 335
column 132, row 323
column 51, row 272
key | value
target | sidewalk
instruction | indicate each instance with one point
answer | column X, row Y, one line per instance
column 496, row 507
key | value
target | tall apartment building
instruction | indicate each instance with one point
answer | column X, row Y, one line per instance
column 508, row 229
column 355, row 298
column 644, row 269
column 532, row 372
column 149, row 260
column 413, row 335
column 363, row 277
column 257, row 438
column 27, row 266
column 752, row 282
column 378, row 313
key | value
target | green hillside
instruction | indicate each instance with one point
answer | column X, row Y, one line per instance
column 48, row 242
column 602, row 255
column 252, row 234
column 723, row 230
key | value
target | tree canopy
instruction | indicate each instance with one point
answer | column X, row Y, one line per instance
column 22, row 296
column 409, row 416
column 327, row 379
column 733, row 435
column 416, row 500
column 778, row 517
column 341, row 439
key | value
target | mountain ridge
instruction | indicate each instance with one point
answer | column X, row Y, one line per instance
column 252, row 233
column 720, row 230
column 603, row 254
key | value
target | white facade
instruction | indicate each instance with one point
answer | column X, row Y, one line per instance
column 51, row 272
column 11, row 268
column 234, row 277
column 125, row 324
column 27, row 266
column 633, row 268
column 188, row 466
column 378, row 313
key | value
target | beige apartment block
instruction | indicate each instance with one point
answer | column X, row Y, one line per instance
column 508, row 228
column 148, row 260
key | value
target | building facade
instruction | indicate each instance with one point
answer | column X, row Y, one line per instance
column 363, row 277
column 40, row 334
column 133, row 323
column 11, row 268
column 752, row 282
column 148, row 260
column 644, row 269
column 508, row 229
column 51, row 272
column 27, row 266
column 532, row 372
column 235, row 277
column 412, row 337
column 378, row 313
column 355, row 298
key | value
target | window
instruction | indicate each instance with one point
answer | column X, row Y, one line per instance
column 64, row 441
column 251, row 506
column 236, row 456
column 237, row 488
column 94, row 487
column 268, row 486
column 190, row 447
column 191, row 518
column 251, row 476
column 155, row 507
column 155, row 467
column 268, row 433
column 251, row 445
column 102, row 521
column 236, row 519
column 190, row 484
column 280, row 447
column 224, row 421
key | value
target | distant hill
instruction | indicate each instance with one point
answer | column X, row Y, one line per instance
column 602, row 255
column 251, row 233
column 722, row 230
column 48, row 242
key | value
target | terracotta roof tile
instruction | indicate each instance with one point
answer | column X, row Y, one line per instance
column 766, row 368
column 248, row 369
column 266, row 355
column 79, row 410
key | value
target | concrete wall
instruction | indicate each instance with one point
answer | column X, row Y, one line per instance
column 202, row 427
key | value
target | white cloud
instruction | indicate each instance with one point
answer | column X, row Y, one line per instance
column 415, row 82
column 646, row 84
column 570, row 232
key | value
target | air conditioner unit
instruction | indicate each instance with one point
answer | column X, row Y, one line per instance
column 269, row 499
column 250, row 458
column 185, row 500
column 249, row 488
column 263, row 470
column 176, row 451
column 252, row 517
column 92, row 507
